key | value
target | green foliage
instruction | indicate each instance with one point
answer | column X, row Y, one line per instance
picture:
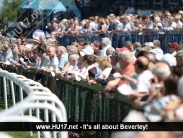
column 10, row 11
column 87, row 134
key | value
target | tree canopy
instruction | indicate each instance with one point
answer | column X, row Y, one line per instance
column 9, row 11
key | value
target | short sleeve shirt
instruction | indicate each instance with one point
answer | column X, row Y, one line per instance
column 129, row 70
column 63, row 60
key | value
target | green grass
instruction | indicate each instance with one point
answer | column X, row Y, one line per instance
column 20, row 134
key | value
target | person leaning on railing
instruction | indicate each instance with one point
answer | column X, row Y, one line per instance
column 71, row 49
column 126, row 62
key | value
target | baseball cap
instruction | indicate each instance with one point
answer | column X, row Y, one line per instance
column 86, row 51
column 175, row 45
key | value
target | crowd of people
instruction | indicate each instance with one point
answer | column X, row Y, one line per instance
column 147, row 76
column 128, row 22
column 125, row 23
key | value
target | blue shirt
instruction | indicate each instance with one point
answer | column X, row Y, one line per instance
column 150, row 25
column 63, row 60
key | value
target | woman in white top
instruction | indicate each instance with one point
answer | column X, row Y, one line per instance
column 106, row 67
column 157, row 23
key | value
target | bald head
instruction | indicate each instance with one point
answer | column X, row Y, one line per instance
column 161, row 70
column 127, row 56
column 60, row 51
column 144, row 60
column 156, row 43
column 151, row 57
column 137, row 44
column 62, row 48
column 141, row 64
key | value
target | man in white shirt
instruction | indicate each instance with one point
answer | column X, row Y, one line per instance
column 172, row 24
column 53, row 59
column 126, row 25
column 157, row 50
column 92, row 25
column 165, row 22
column 178, row 22
column 143, row 82
column 37, row 32
column 106, row 43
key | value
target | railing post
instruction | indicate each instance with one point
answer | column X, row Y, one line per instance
column 5, row 93
column 52, row 84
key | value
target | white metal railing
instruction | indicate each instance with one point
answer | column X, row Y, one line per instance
column 4, row 135
column 38, row 97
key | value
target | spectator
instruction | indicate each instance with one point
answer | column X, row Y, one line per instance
column 97, row 47
column 109, row 51
column 174, row 47
column 148, row 46
column 172, row 25
column 114, row 61
column 130, row 9
column 178, row 22
column 91, row 69
column 73, row 68
column 106, row 43
column 157, row 24
column 52, row 38
column 44, row 60
column 151, row 57
column 26, row 44
column 53, row 59
column 169, row 59
column 42, row 39
column 76, row 27
column 52, row 27
column 62, row 56
column 161, row 72
column 80, row 44
column 165, row 21
column 143, row 82
column 130, row 47
column 179, row 59
column 136, row 45
column 157, row 50
column 112, row 25
column 6, row 53
column 15, row 51
column 87, row 51
column 105, row 66
column 92, row 25
column 38, row 32
column 126, row 62
column 126, row 25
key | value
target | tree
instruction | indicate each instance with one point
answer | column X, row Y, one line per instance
column 10, row 11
